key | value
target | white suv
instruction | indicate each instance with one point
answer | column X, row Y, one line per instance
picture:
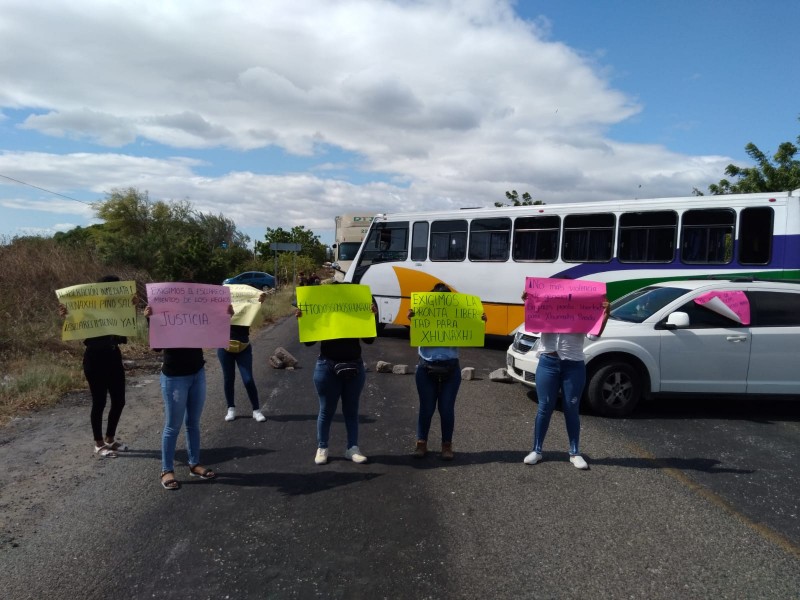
column 660, row 340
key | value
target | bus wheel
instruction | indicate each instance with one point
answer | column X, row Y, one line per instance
column 614, row 389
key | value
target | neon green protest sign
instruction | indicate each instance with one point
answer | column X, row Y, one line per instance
column 335, row 311
column 446, row 319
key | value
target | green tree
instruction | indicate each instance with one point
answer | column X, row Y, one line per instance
column 126, row 236
column 169, row 240
column 310, row 245
column 781, row 174
column 78, row 237
column 228, row 247
column 514, row 199
column 285, row 265
column 219, row 231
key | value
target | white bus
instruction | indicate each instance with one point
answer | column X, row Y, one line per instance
column 628, row 244
column 349, row 233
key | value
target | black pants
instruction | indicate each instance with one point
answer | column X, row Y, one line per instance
column 106, row 376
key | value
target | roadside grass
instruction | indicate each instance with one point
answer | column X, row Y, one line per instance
column 279, row 304
column 37, row 382
column 37, row 368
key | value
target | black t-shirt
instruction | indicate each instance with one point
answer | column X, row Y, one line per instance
column 104, row 342
column 240, row 333
column 182, row 361
column 342, row 349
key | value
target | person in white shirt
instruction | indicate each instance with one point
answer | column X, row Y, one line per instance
column 561, row 367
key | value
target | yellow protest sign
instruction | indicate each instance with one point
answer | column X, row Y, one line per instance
column 96, row 309
column 335, row 311
column 446, row 319
column 246, row 307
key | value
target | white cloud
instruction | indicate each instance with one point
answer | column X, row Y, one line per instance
column 455, row 101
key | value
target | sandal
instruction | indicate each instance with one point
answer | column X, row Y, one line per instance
column 201, row 472
column 105, row 451
column 171, row 483
column 118, row 446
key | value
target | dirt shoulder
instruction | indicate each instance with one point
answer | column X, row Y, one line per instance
column 48, row 453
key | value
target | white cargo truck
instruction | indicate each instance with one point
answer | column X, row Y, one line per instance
column 350, row 232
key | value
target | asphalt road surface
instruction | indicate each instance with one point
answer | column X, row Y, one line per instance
column 689, row 499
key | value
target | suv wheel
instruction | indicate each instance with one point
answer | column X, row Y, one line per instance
column 614, row 389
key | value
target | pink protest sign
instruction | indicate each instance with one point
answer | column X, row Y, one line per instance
column 189, row 315
column 564, row 305
column 732, row 304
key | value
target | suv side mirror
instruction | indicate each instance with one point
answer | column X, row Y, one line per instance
column 677, row 320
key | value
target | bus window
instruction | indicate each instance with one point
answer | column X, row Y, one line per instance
column 387, row 242
column 588, row 238
column 755, row 235
column 707, row 236
column 419, row 241
column 489, row 239
column 449, row 240
column 536, row 238
column 647, row 236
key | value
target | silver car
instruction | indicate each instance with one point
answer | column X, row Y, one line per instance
column 668, row 338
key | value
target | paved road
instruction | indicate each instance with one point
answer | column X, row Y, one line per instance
column 740, row 453
column 665, row 510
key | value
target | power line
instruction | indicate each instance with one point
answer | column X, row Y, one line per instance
column 43, row 189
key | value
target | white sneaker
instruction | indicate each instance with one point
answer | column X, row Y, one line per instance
column 259, row 416
column 578, row 462
column 231, row 415
column 532, row 458
column 354, row 454
column 322, row 456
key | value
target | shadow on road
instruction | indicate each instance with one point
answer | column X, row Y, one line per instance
column 705, row 465
column 433, row 460
column 294, row 484
column 766, row 410
column 758, row 410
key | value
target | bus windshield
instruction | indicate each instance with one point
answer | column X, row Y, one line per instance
column 386, row 242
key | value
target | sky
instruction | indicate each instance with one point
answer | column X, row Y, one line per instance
column 290, row 112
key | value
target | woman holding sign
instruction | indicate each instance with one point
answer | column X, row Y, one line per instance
column 339, row 373
column 438, row 377
column 183, row 387
column 102, row 366
column 561, row 367
column 240, row 353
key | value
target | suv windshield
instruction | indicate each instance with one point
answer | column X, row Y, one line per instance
column 641, row 304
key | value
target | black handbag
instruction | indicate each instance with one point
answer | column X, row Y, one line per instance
column 439, row 372
column 346, row 370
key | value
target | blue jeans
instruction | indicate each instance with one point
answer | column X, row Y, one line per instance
column 330, row 388
column 553, row 374
column 434, row 392
column 229, row 361
column 184, row 397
